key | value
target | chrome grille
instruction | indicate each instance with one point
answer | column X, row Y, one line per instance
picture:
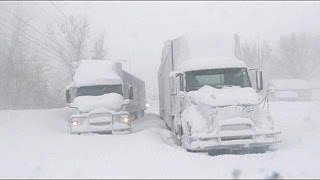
column 236, row 127
column 100, row 119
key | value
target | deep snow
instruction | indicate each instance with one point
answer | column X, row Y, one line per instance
column 37, row 144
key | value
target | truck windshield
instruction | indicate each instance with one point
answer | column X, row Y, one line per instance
column 217, row 78
column 99, row 90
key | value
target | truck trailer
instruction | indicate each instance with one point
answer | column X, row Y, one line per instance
column 206, row 96
column 106, row 98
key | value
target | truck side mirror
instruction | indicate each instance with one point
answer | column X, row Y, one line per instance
column 259, row 81
column 68, row 95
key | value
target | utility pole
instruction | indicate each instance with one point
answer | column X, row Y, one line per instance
column 259, row 63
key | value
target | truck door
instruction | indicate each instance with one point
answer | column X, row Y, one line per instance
column 176, row 85
column 180, row 89
column 173, row 93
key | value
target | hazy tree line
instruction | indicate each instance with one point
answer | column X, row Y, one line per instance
column 36, row 66
column 296, row 55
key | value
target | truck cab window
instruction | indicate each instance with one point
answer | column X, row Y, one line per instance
column 99, row 90
column 217, row 78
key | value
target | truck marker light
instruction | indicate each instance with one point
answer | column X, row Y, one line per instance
column 75, row 123
column 147, row 105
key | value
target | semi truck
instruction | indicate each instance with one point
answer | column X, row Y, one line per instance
column 106, row 98
column 206, row 96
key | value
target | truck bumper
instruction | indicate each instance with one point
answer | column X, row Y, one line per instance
column 230, row 142
column 98, row 123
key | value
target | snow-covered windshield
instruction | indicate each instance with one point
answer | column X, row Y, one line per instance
column 99, row 90
column 217, row 78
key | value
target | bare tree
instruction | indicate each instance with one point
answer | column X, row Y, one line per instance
column 300, row 54
column 99, row 51
column 70, row 42
column 249, row 54
column 23, row 78
column 13, row 56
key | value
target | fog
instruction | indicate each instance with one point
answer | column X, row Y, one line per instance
column 136, row 31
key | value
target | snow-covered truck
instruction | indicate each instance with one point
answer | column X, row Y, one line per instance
column 106, row 97
column 206, row 97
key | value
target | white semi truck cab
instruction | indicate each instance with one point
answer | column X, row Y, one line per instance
column 206, row 96
column 106, row 98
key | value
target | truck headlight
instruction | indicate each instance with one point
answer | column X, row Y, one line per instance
column 76, row 121
column 126, row 119
column 147, row 105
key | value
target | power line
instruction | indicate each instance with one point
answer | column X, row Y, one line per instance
column 64, row 15
column 26, row 24
column 46, row 12
column 34, row 49
column 44, row 46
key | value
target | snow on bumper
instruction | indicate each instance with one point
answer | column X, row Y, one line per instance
column 235, row 141
column 100, row 123
column 234, row 133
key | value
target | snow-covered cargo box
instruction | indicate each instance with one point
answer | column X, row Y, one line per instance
column 206, row 97
column 106, row 97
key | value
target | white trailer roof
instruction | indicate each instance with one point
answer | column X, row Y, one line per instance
column 203, row 50
column 97, row 72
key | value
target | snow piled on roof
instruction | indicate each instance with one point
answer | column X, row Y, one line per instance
column 97, row 72
column 111, row 101
column 211, row 63
column 202, row 49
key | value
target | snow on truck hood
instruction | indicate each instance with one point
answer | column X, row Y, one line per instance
column 111, row 101
column 224, row 96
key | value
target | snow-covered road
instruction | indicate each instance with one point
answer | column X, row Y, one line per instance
column 37, row 144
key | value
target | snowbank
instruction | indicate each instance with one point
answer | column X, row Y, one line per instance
column 111, row 101
column 37, row 144
column 224, row 96
column 97, row 72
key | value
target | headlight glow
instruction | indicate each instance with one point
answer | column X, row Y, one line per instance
column 75, row 123
column 147, row 105
column 125, row 119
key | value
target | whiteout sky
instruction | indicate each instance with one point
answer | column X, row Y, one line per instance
column 136, row 31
